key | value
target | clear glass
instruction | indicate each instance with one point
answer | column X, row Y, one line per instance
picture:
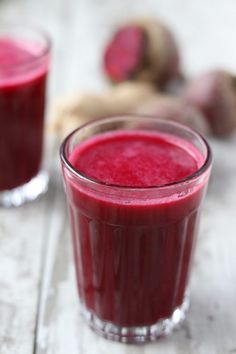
column 24, row 63
column 133, row 246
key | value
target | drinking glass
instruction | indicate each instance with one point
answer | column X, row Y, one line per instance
column 24, row 65
column 133, row 246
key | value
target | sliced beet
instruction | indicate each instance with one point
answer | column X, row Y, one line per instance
column 125, row 53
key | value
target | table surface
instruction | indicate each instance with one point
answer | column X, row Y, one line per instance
column 38, row 301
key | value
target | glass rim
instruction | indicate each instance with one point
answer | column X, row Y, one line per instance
column 200, row 171
column 10, row 25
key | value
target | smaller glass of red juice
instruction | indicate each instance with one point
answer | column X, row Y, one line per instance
column 134, row 187
column 24, row 61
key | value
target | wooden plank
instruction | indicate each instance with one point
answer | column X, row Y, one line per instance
column 23, row 232
column 20, row 254
column 22, row 236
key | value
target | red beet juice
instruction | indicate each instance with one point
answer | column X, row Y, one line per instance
column 134, row 198
column 23, row 72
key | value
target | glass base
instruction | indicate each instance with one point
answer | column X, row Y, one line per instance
column 140, row 334
column 27, row 192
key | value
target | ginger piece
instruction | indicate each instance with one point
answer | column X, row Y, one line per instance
column 72, row 111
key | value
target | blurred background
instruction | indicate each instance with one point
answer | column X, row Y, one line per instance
column 205, row 30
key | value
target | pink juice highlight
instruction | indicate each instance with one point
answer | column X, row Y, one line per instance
column 23, row 72
column 132, row 247
column 135, row 159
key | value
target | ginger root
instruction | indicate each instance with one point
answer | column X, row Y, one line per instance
column 73, row 111
column 125, row 98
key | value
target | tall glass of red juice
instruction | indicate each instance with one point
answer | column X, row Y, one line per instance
column 24, row 59
column 134, row 187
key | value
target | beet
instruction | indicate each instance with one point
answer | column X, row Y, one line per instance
column 124, row 54
column 214, row 93
column 143, row 50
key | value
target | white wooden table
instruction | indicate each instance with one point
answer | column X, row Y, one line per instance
column 38, row 301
